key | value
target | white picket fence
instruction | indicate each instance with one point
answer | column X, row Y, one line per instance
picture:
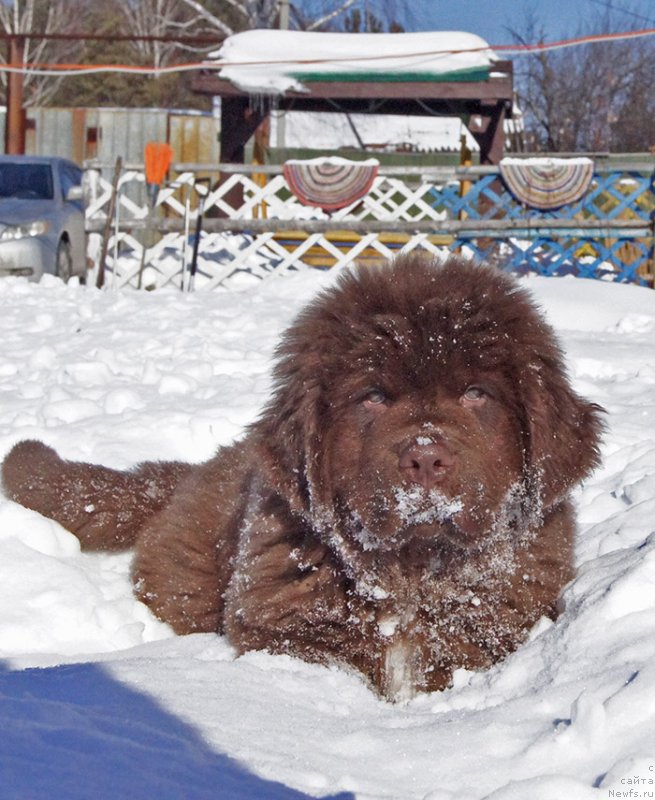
column 267, row 230
column 253, row 225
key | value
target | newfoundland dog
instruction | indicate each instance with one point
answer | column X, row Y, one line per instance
column 401, row 505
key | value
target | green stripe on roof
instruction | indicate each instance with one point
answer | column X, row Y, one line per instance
column 361, row 76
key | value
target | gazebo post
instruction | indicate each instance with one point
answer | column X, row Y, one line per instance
column 487, row 129
column 238, row 123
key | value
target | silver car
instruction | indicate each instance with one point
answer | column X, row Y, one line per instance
column 41, row 217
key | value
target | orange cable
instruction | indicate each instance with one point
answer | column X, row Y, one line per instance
column 520, row 49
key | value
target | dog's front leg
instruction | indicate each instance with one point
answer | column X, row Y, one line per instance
column 286, row 594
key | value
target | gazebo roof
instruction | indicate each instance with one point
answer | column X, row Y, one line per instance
column 276, row 62
column 429, row 73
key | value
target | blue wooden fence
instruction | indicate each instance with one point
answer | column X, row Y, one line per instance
column 607, row 234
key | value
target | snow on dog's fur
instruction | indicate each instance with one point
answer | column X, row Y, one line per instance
column 401, row 506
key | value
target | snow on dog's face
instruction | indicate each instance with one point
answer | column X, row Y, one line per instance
column 425, row 401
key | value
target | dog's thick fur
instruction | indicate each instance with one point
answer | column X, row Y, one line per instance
column 401, row 504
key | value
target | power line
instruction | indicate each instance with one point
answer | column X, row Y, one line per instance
column 628, row 12
column 49, row 69
column 520, row 49
column 208, row 39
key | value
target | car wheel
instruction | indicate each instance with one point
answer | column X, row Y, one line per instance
column 64, row 261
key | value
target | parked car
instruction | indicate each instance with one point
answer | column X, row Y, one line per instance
column 41, row 217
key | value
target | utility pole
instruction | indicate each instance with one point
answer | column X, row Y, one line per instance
column 280, row 137
column 15, row 122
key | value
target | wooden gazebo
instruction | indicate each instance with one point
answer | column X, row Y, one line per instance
column 481, row 95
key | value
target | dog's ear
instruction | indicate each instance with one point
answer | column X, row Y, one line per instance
column 289, row 429
column 562, row 429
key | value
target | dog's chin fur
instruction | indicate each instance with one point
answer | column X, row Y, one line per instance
column 320, row 534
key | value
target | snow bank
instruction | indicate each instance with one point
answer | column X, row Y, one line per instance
column 121, row 708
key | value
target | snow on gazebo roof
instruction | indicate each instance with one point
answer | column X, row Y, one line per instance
column 273, row 62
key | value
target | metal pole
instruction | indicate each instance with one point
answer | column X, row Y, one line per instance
column 15, row 130
column 284, row 15
column 280, row 137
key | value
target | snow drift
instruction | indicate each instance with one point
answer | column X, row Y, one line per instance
column 97, row 698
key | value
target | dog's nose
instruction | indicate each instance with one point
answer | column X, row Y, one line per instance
column 426, row 464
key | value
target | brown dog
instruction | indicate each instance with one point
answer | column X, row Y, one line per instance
column 401, row 504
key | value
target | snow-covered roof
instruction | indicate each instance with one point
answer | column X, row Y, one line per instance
column 272, row 62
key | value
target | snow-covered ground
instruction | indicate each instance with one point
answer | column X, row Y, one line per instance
column 99, row 700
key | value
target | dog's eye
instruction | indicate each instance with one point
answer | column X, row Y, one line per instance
column 474, row 396
column 376, row 397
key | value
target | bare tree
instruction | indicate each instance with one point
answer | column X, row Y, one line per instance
column 248, row 14
column 594, row 97
column 28, row 19
column 165, row 18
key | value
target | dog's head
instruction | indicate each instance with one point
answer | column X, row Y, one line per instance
column 417, row 396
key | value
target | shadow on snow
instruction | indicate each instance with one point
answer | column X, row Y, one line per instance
column 74, row 732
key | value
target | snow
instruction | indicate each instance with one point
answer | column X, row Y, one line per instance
column 331, row 130
column 410, row 504
column 98, row 699
column 333, row 161
column 260, row 63
column 547, row 162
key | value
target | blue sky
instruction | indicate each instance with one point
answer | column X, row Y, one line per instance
column 559, row 18
column 492, row 18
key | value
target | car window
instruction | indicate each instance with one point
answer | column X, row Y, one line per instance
column 28, row 181
column 70, row 176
